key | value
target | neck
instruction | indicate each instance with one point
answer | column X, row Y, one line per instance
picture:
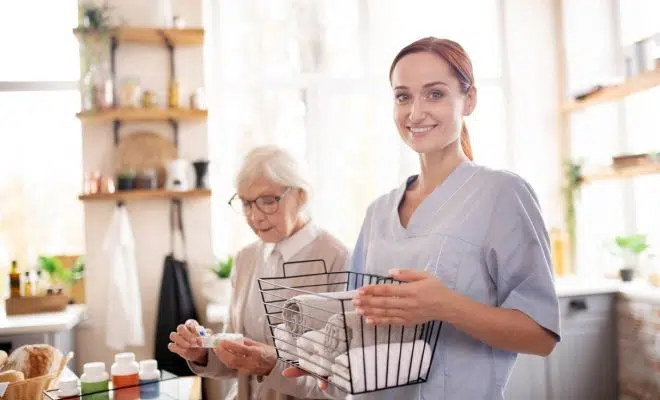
column 302, row 221
column 436, row 167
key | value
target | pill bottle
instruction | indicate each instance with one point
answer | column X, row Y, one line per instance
column 125, row 374
column 149, row 379
column 68, row 389
column 94, row 378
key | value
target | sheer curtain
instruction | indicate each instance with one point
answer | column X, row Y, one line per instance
column 312, row 76
column 40, row 142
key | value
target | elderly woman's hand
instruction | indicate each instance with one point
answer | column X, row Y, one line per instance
column 251, row 357
column 293, row 372
column 187, row 343
column 421, row 299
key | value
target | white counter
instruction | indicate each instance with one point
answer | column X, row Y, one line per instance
column 577, row 286
column 42, row 322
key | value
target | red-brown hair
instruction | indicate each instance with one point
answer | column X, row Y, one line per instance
column 454, row 54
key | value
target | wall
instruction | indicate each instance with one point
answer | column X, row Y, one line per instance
column 149, row 219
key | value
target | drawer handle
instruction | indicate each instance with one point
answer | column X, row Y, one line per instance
column 578, row 304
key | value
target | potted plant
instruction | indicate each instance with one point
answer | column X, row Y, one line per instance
column 218, row 286
column 630, row 248
column 126, row 180
column 573, row 183
column 59, row 276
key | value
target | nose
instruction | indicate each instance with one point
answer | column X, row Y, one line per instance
column 256, row 214
column 417, row 112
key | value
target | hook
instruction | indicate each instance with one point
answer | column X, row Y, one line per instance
column 120, row 203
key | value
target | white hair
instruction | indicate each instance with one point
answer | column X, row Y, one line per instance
column 275, row 164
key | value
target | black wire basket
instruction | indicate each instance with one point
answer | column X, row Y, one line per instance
column 315, row 327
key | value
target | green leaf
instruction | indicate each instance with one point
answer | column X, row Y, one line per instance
column 223, row 269
column 635, row 244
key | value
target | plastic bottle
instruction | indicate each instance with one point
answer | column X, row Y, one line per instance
column 14, row 280
column 149, row 379
column 94, row 378
column 68, row 389
column 126, row 377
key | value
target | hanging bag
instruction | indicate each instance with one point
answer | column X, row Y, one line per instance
column 175, row 304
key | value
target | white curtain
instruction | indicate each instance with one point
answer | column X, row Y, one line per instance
column 312, row 76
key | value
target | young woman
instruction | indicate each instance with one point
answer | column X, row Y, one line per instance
column 469, row 241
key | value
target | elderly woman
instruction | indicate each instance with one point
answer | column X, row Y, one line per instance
column 273, row 195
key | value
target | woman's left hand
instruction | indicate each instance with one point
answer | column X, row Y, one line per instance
column 421, row 299
column 251, row 357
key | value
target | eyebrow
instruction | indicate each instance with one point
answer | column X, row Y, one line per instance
column 426, row 85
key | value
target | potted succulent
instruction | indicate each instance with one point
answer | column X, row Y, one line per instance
column 218, row 286
column 630, row 248
column 59, row 276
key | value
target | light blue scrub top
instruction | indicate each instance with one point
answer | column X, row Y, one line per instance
column 482, row 234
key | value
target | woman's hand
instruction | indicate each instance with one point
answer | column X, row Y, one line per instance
column 421, row 299
column 251, row 357
column 293, row 372
column 187, row 344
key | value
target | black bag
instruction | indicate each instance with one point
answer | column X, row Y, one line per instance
column 175, row 304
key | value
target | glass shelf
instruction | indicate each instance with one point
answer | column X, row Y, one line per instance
column 170, row 387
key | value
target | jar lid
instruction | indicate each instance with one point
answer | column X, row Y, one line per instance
column 148, row 365
column 94, row 368
column 125, row 357
column 68, row 386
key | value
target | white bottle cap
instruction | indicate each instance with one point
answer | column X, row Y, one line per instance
column 124, row 357
column 148, row 365
column 94, row 370
column 68, row 387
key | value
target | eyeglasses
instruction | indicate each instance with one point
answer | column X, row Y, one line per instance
column 265, row 204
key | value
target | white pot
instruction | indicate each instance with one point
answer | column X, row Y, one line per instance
column 217, row 290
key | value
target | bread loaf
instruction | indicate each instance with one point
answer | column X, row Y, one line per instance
column 33, row 360
column 11, row 376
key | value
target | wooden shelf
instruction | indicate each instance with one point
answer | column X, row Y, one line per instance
column 622, row 172
column 142, row 115
column 151, row 36
column 640, row 83
column 131, row 195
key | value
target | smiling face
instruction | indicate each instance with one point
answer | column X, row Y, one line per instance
column 272, row 228
column 429, row 103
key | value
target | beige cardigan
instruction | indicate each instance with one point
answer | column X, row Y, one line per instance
column 336, row 257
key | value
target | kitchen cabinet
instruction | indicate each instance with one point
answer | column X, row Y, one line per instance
column 583, row 365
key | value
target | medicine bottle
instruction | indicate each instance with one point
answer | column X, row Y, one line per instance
column 149, row 379
column 94, row 378
column 68, row 389
column 125, row 374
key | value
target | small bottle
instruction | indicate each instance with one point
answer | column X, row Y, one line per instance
column 68, row 389
column 125, row 377
column 94, row 378
column 27, row 285
column 39, row 289
column 14, row 280
column 173, row 94
column 558, row 243
column 149, row 379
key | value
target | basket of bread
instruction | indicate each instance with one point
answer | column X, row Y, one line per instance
column 31, row 369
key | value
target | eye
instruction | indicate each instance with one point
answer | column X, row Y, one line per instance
column 436, row 95
column 268, row 200
column 401, row 98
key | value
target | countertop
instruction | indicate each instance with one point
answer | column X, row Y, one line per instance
column 42, row 322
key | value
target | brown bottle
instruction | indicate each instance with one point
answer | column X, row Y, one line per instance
column 14, row 281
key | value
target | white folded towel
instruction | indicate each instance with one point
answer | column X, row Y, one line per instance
column 313, row 363
column 311, row 311
column 312, row 343
column 382, row 369
column 285, row 342
column 357, row 329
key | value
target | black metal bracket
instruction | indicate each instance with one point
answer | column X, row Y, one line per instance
column 114, row 43
column 116, row 124
column 175, row 131
column 170, row 50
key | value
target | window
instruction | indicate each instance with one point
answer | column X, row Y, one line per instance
column 312, row 77
column 40, row 140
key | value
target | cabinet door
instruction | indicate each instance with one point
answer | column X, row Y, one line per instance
column 528, row 379
column 583, row 365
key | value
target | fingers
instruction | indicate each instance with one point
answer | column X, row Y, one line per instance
column 384, row 290
column 370, row 302
column 408, row 275
column 293, row 372
column 175, row 348
column 376, row 320
column 228, row 358
column 187, row 334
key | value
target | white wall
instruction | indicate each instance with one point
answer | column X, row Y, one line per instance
column 149, row 219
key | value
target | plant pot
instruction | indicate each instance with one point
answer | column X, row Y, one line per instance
column 626, row 274
column 201, row 172
column 125, row 183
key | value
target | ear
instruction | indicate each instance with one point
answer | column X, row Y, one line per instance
column 470, row 101
column 302, row 198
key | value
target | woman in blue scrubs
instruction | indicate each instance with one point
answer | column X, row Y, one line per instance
column 469, row 241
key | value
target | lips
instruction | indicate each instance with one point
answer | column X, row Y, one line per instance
column 420, row 130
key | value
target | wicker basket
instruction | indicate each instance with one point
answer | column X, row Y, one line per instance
column 141, row 151
column 33, row 388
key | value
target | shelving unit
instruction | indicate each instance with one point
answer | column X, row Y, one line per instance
column 133, row 195
column 142, row 115
column 645, row 81
column 151, row 36
column 611, row 173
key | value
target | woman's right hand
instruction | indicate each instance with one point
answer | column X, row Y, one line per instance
column 187, row 343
